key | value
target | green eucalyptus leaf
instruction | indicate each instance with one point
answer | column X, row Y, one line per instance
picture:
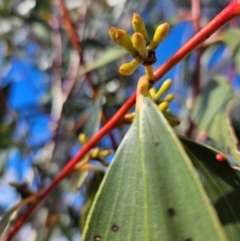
column 42, row 31
column 6, row 220
column 223, row 134
column 5, row 134
column 209, row 52
column 111, row 54
column 237, row 61
column 151, row 191
column 82, row 176
column 234, row 113
column 91, row 189
column 232, row 38
column 94, row 118
column 4, row 154
column 91, row 43
column 214, row 96
column 222, row 184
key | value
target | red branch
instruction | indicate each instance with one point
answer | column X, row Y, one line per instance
column 70, row 29
column 231, row 11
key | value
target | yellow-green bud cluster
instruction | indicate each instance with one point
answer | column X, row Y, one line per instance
column 142, row 50
column 95, row 153
column 163, row 103
column 139, row 45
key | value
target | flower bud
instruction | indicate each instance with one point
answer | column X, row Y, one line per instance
column 123, row 39
column 142, row 87
column 139, row 26
column 95, row 153
column 112, row 31
column 168, row 98
column 159, row 35
column 139, row 44
column 128, row 118
column 163, row 89
column 163, row 106
column 129, row 68
column 173, row 121
column 105, row 153
column 82, row 138
column 152, row 92
column 168, row 111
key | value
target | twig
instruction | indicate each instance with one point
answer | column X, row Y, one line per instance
column 76, row 45
column 231, row 11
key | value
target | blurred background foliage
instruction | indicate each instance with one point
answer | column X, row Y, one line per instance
column 59, row 77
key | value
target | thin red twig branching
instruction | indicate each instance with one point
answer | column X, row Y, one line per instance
column 70, row 28
column 76, row 45
column 231, row 11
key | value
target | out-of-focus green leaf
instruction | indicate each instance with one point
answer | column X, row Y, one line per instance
column 151, row 191
column 42, row 8
column 187, row 72
column 235, row 113
column 222, row 133
column 5, row 220
column 65, row 228
column 110, row 54
column 91, row 190
column 208, row 53
column 3, row 159
column 237, row 61
column 5, row 135
column 232, row 38
column 41, row 31
column 214, row 96
column 81, row 178
column 94, row 117
column 91, row 43
column 222, row 184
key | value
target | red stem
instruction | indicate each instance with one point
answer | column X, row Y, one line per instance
column 70, row 29
column 231, row 11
